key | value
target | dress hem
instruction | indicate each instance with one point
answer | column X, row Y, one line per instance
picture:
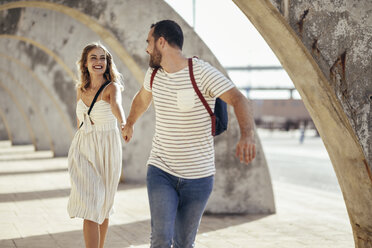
column 90, row 219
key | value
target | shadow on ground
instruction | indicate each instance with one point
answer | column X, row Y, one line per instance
column 125, row 235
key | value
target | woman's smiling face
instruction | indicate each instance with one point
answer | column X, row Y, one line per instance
column 96, row 61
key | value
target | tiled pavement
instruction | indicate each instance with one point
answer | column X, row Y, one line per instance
column 33, row 195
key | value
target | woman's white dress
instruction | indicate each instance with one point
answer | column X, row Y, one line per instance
column 94, row 163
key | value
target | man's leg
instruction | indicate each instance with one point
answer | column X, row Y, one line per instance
column 163, row 200
column 194, row 194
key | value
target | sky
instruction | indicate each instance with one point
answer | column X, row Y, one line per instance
column 235, row 42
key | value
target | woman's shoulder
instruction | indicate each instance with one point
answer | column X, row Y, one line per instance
column 115, row 86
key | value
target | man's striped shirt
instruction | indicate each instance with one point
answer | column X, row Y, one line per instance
column 183, row 144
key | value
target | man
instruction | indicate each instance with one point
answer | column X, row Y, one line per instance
column 181, row 165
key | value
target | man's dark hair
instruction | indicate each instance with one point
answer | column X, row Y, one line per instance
column 170, row 31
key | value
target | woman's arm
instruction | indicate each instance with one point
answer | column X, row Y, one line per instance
column 78, row 97
column 115, row 102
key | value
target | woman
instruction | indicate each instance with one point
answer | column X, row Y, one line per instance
column 94, row 158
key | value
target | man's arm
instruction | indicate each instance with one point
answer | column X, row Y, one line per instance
column 140, row 104
column 246, row 148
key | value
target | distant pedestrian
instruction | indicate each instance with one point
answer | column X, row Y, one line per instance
column 302, row 131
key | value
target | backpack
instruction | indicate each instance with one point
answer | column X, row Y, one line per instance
column 219, row 118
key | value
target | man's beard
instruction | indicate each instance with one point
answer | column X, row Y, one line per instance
column 155, row 59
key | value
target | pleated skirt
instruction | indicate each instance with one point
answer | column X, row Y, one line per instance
column 94, row 165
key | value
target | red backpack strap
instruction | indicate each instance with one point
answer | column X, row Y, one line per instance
column 153, row 76
column 201, row 97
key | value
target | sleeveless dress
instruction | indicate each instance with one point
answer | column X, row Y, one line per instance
column 94, row 163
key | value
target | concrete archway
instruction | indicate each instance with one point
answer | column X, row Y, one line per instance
column 322, row 86
column 68, row 54
column 251, row 192
column 31, row 58
column 38, row 124
column 5, row 131
column 44, row 100
column 16, row 116
column 104, row 34
column 59, row 61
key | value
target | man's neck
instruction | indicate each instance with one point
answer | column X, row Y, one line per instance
column 173, row 62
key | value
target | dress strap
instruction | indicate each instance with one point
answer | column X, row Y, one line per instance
column 103, row 86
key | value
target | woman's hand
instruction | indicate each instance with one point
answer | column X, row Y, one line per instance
column 127, row 131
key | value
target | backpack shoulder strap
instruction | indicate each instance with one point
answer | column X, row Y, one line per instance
column 201, row 97
column 153, row 76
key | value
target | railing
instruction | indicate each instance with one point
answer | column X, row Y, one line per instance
column 260, row 68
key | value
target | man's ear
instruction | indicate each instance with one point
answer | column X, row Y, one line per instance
column 162, row 42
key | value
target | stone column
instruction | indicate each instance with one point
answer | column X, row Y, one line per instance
column 326, row 48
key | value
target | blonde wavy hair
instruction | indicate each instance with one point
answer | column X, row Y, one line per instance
column 111, row 74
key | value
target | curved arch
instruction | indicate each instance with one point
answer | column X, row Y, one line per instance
column 349, row 162
column 105, row 34
column 37, row 80
column 45, row 49
column 22, row 112
column 34, row 107
column 5, row 121
column 61, row 135
column 48, row 52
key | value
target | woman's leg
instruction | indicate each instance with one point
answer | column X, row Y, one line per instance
column 91, row 234
column 102, row 232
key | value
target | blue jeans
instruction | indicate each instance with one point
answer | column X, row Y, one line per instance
column 176, row 206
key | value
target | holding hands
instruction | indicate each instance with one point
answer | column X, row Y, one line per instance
column 126, row 131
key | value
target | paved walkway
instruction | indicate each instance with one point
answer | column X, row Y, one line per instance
column 33, row 195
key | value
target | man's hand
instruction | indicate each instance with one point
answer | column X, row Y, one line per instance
column 246, row 149
column 140, row 104
column 127, row 132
